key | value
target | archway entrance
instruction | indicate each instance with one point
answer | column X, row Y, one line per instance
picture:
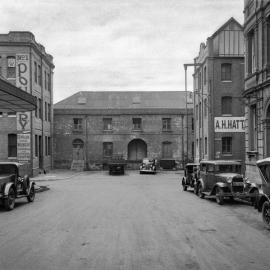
column 77, row 153
column 137, row 149
column 267, row 125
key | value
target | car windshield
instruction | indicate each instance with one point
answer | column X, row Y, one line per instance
column 147, row 161
column 7, row 169
column 228, row 168
column 265, row 169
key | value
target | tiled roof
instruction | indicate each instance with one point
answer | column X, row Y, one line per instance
column 124, row 100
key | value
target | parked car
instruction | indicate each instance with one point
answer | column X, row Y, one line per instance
column 148, row 166
column 13, row 185
column 221, row 179
column 191, row 175
column 263, row 197
column 117, row 165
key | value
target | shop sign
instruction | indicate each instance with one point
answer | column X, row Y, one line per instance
column 22, row 72
column 23, row 147
column 229, row 124
column 23, row 121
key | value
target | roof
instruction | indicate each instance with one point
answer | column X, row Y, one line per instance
column 263, row 161
column 124, row 100
column 13, row 99
column 11, row 163
column 222, row 162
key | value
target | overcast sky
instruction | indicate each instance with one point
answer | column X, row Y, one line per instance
column 119, row 44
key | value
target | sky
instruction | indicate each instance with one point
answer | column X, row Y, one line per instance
column 125, row 45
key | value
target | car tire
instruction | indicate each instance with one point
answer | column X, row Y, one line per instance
column 9, row 202
column 32, row 194
column 266, row 214
column 199, row 191
column 219, row 196
column 184, row 188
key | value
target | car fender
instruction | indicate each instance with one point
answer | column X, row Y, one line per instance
column 220, row 185
column 261, row 201
column 8, row 186
column 200, row 181
column 32, row 184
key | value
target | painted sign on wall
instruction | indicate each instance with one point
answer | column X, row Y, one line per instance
column 23, row 72
column 23, row 121
column 23, row 147
column 229, row 124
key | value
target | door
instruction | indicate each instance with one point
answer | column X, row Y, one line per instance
column 137, row 150
column 167, row 150
column 40, row 152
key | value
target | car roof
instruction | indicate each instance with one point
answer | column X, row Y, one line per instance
column 221, row 162
column 10, row 163
column 263, row 161
column 192, row 164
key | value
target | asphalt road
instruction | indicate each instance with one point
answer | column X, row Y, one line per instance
column 96, row 221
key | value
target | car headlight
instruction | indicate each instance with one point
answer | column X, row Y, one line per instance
column 229, row 180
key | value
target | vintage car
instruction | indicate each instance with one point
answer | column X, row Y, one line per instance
column 220, row 179
column 191, row 175
column 13, row 185
column 117, row 165
column 263, row 196
column 148, row 166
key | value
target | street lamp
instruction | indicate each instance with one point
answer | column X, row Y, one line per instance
column 185, row 67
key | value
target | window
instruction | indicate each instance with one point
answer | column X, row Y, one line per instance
column 39, row 75
column 49, row 112
column 40, row 108
column 11, row 67
column 200, row 81
column 49, row 82
column 46, row 146
column 45, row 79
column 253, row 128
column 227, row 145
column 200, row 114
column 49, row 146
column 205, row 146
column 35, row 72
column 250, row 53
column 1, row 65
column 107, row 149
column 36, row 145
column 197, row 114
column 204, row 76
column 12, row 145
column 268, row 40
column 226, row 105
column 166, row 124
column 226, row 72
column 205, row 107
column 137, row 123
column 77, row 123
column 192, row 124
column 11, row 114
column 46, row 112
column 107, row 123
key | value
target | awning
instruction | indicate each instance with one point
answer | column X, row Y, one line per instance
column 13, row 99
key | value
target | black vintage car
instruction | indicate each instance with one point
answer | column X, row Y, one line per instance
column 117, row 165
column 221, row 179
column 13, row 185
column 263, row 197
column 191, row 175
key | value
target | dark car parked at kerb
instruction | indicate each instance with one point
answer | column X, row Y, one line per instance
column 13, row 185
column 221, row 179
column 191, row 175
column 263, row 197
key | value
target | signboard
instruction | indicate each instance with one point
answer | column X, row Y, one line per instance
column 23, row 72
column 23, row 121
column 229, row 124
column 23, row 147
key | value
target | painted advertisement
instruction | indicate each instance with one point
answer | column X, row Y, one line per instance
column 229, row 124
column 23, row 121
column 23, row 72
column 23, row 147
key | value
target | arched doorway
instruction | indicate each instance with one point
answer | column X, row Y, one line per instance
column 137, row 149
column 77, row 153
column 267, row 129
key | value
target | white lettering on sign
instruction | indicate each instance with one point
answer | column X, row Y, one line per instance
column 229, row 124
column 22, row 72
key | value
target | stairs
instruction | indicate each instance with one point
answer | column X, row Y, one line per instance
column 77, row 165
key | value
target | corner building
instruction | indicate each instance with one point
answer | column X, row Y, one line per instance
column 91, row 127
column 257, row 84
column 218, row 106
column 26, row 137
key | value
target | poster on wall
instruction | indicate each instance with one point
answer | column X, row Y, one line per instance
column 229, row 124
column 23, row 147
column 23, row 72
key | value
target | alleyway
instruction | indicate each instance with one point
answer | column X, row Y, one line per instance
column 101, row 222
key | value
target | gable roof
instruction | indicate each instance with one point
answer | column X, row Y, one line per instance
column 124, row 100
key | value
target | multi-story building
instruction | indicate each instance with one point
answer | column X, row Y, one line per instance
column 95, row 126
column 26, row 136
column 257, row 83
column 218, row 106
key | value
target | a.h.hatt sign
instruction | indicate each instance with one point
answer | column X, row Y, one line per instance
column 229, row 124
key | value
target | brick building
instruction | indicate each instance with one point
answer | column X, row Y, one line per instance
column 26, row 136
column 94, row 126
column 257, row 83
column 218, row 106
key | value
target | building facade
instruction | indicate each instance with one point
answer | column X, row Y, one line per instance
column 95, row 126
column 26, row 136
column 257, row 83
column 218, row 106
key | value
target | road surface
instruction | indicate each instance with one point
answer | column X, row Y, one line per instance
column 145, row 222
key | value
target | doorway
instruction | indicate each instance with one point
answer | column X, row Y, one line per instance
column 137, row 149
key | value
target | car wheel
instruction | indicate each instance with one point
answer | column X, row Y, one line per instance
column 184, row 188
column 199, row 191
column 9, row 202
column 266, row 214
column 32, row 193
column 219, row 196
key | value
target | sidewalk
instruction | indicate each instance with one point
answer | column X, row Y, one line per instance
column 54, row 175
